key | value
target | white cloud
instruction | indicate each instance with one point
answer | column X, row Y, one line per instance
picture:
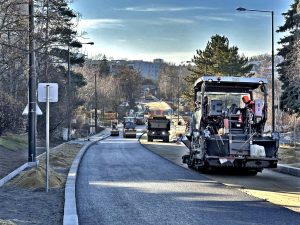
column 250, row 15
column 100, row 23
column 176, row 20
column 122, row 40
column 164, row 9
column 214, row 18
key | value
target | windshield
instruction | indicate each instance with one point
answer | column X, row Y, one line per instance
column 129, row 119
column 228, row 100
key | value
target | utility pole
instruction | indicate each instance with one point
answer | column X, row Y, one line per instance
column 31, row 88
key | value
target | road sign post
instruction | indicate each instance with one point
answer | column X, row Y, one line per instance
column 47, row 92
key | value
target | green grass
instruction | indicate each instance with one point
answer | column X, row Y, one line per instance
column 14, row 142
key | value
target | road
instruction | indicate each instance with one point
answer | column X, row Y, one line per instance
column 121, row 182
column 278, row 188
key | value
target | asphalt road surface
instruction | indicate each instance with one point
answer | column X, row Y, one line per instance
column 120, row 182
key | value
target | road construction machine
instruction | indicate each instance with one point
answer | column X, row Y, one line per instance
column 114, row 128
column 129, row 130
column 228, row 125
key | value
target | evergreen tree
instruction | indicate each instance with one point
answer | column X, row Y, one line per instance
column 289, row 69
column 219, row 59
column 104, row 69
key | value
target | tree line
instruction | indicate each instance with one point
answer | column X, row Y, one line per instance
column 56, row 39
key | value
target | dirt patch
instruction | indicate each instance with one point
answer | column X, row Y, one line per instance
column 289, row 155
column 35, row 179
column 23, row 201
column 6, row 222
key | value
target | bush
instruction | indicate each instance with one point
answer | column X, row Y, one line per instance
column 10, row 113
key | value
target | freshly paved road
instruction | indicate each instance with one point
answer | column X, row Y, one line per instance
column 278, row 188
column 120, row 182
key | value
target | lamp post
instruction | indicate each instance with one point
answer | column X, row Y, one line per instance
column 69, row 87
column 96, row 105
column 178, row 100
column 31, row 88
column 273, row 86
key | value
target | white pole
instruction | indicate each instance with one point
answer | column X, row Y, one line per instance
column 47, row 136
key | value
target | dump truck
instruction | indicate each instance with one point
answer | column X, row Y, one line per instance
column 227, row 125
column 129, row 130
column 158, row 127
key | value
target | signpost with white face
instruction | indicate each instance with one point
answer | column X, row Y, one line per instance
column 47, row 92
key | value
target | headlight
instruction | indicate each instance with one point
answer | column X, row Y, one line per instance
column 153, row 132
column 163, row 133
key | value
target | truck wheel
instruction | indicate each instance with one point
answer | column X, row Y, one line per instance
column 166, row 139
column 150, row 139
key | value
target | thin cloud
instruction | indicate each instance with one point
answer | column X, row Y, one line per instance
column 121, row 40
column 214, row 18
column 176, row 20
column 250, row 15
column 100, row 23
column 164, row 9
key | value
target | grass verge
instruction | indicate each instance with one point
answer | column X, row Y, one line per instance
column 14, row 142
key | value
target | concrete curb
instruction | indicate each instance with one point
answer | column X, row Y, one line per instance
column 70, row 208
column 288, row 170
column 17, row 171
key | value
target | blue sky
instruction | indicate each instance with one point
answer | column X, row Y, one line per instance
column 174, row 29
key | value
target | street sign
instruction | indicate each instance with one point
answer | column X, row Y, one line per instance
column 53, row 92
column 37, row 109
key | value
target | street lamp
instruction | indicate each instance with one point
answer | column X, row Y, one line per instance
column 96, row 106
column 31, row 87
column 69, row 87
column 273, row 91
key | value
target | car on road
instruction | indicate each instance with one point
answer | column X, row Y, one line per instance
column 139, row 119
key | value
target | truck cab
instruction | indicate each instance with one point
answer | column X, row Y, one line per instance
column 227, row 128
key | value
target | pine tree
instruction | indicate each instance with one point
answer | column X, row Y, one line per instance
column 219, row 59
column 289, row 69
column 104, row 67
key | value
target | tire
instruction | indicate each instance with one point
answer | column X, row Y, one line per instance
column 150, row 139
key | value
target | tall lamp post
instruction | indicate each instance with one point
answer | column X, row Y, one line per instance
column 96, row 105
column 273, row 91
column 31, row 88
column 69, row 87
